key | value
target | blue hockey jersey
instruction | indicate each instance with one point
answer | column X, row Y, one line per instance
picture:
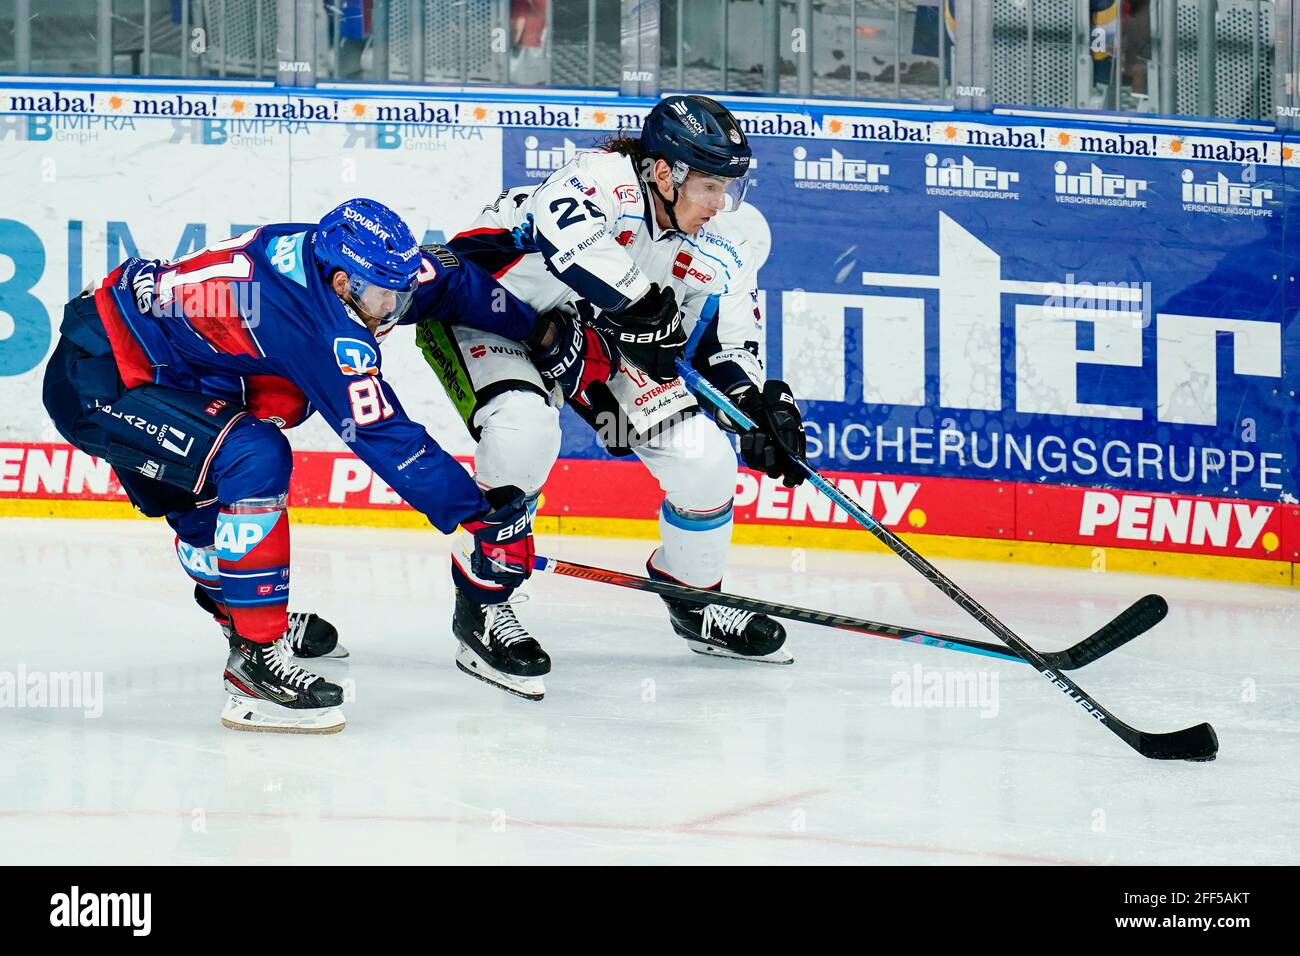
column 251, row 319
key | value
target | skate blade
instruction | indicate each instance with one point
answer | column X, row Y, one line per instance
column 779, row 656
column 529, row 688
column 259, row 716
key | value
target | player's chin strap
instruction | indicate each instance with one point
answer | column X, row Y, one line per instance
column 669, row 207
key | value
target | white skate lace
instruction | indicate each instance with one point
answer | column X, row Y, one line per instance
column 505, row 627
column 728, row 620
column 279, row 660
column 297, row 629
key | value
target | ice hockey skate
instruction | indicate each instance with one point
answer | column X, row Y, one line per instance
column 267, row 692
column 497, row 649
column 717, row 631
column 309, row 634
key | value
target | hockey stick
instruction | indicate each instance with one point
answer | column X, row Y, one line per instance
column 1133, row 621
column 1191, row 743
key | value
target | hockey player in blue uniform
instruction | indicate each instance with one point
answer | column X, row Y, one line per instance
column 182, row 374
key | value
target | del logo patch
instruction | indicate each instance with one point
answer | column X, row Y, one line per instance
column 356, row 357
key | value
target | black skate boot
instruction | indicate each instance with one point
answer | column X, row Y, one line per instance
column 495, row 648
column 310, row 635
column 718, row 631
column 267, row 691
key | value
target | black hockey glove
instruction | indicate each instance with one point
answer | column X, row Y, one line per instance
column 577, row 357
column 779, row 435
column 649, row 333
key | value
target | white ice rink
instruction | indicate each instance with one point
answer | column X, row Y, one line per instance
column 641, row 751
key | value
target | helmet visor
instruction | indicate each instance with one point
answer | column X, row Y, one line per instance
column 719, row 193
column 383, row 305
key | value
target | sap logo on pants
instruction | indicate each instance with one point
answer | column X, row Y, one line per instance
column 238, row 537
column 201, row 562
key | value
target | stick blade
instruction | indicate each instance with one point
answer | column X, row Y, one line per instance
column 1191, row 743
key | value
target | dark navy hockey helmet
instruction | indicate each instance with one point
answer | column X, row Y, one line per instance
column 372, row 244
column 698, row 133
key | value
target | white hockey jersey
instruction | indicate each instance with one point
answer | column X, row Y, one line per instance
column 588, row 233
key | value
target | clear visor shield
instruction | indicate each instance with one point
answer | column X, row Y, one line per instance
column 385, row 306
column 719, row 193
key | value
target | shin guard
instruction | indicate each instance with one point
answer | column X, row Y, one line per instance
column 252, row 549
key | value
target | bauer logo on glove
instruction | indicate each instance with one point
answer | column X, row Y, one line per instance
column 576, row 357
column 649, row 333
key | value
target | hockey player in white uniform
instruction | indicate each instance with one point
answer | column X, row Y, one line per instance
column 625, row 252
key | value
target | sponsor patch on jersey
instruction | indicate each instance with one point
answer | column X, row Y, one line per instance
column 684, row 266
column 625, row 237
column 356, row 357
column 482, row 351
column 285, row 254
column 627, row 193
column 582, row 187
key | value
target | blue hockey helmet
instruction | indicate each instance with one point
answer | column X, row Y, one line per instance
column 371, row 243
column 700, row 134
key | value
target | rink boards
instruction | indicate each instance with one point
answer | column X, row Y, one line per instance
column 1021, row 337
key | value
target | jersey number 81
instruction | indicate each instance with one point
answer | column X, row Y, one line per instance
column 369, row 403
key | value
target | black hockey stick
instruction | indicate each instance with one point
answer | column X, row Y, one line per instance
column 1191, row 743
column 1135, row 620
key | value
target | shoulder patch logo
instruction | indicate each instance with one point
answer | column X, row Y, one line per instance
column 582, row 187
column 285, row 254
column 356, row 357
column 445, row 256
column 627, row 193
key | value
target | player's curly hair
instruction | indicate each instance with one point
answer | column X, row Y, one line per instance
column 623, row 144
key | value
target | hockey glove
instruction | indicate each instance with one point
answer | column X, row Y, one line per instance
column 649, row 333
column 503, row 539
column 779, row 437
column 577, row 357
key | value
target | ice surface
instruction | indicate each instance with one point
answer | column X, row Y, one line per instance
column 641, row 751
